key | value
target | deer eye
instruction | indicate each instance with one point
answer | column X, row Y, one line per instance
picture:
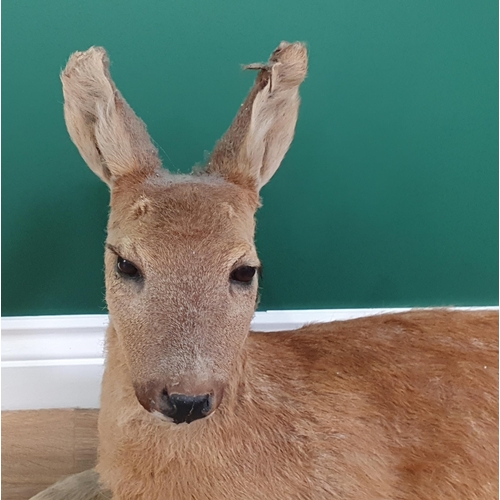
column 126, row 268
column 243, row 274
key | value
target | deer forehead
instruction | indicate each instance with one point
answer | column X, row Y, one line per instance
column 180, row 213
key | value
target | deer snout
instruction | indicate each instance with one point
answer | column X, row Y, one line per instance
column 183, row 408
column 180, row 406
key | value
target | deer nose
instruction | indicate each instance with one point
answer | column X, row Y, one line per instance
column 182, row 408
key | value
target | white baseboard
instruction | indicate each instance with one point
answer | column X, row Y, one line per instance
column 57, row 361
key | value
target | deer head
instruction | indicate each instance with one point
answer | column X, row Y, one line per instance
column 181, row 264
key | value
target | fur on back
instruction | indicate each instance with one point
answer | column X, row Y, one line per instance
column 397, row 406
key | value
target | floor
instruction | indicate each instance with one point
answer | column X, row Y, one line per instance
column 40, row 447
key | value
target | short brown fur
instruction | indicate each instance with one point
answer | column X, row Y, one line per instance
column 387, row 407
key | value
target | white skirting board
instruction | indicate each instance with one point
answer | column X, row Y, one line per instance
column 57, row 361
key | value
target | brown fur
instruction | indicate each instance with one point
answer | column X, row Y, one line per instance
column 396, row 406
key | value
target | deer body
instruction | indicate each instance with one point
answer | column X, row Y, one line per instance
column 375, row 420
column 193, row 406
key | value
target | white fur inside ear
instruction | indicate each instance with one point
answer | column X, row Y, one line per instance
column 113, row 138
column 271, row 129
column 260, row 123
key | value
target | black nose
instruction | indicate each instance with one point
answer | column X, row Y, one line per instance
column 183, row 408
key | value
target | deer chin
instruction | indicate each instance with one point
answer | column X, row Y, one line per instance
column 162, row 418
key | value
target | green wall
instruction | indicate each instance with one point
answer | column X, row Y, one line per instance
column 388, row 197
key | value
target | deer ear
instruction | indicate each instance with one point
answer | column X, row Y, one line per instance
column 252, row 149
column 110, row 137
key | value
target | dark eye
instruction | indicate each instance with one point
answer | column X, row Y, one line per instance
column 243, row 274
column 126, row 268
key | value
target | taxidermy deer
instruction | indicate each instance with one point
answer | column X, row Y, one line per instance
column 401, row 406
